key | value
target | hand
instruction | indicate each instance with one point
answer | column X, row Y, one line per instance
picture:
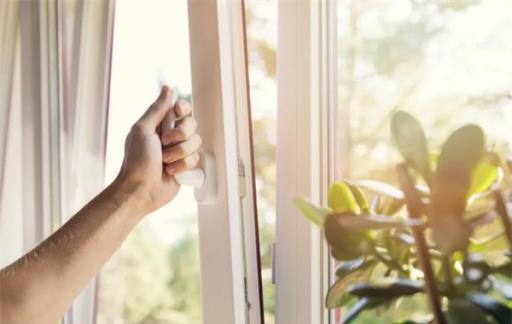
column 151, row 159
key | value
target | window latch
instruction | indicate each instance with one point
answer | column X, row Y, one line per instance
column 202, row 178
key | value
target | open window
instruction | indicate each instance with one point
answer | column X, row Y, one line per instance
column 193, row 261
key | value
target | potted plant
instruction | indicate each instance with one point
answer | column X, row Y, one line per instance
column 444, row 231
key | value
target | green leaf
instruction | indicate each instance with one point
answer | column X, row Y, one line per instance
column 314, row 214
column 475, row 268
column 344, row 242
column 386, row 288
column 390, row 206
column 359, row 197
column 341, row 199
column 370, row 221
column 411, row 141
column 501, row 208
column 486, row 173
column 504, row 288
column 499, row 311
column 348, row 267
column 381, row 188
column 461, row 153
column 348, row 273
column 355, row 310
column 462, row 311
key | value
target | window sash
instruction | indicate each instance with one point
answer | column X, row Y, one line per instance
column 305, row 160
column 230, row 284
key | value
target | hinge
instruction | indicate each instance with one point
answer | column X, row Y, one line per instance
column 246, row 289
column 241, row 178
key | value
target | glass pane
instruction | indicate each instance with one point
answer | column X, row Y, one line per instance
column 155, row 277
column 447, row 62
column 261, row 20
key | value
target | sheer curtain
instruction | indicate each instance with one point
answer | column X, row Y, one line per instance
column 55, row 60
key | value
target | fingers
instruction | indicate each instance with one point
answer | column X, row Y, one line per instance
column 156, row 112
column 182, row 108
column 182, row 150
column 182, row 165
column 182, row 132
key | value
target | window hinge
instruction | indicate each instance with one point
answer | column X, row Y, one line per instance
column 241, row 178
column 246, row 289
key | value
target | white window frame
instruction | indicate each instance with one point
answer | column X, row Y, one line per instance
column 305, row 154
column 228, row 242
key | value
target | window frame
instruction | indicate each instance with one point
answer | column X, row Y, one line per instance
column 305, row 155
column 228, row 236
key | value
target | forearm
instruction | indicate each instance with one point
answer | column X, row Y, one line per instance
column 69, row 258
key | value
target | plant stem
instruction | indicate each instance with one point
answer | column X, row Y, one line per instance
column 501, row 208
column 447, row 274
column 415, row 209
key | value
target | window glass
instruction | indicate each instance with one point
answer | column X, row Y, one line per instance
column 447, row 62
column 261, row 20
column 154, row 277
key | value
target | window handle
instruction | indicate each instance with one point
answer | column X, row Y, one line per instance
column 203, row 177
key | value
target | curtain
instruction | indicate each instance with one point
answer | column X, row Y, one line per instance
column 55, row 59
column 10, row 235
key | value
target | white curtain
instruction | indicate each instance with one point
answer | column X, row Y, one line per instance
column 54, row 81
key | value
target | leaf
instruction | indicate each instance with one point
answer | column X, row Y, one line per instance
column 381, row 188
column 481, row 219
column 475, row 268
column 462, row 311
column 369, row 221
column 461, row 153
column 486, row 173
column 390, row 206
column 355, row 310
column 411, row 141
column 348, row 273
column 499, row 311
column 361, row 305
column 346, row 243
column 359, row 197
column 501, row 208
column 345, row 268
column 504, row 288
column 388, row 288
column 314, row 214
column 341, row 199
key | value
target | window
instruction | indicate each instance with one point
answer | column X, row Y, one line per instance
column 155, row 276
column 343, row 67
column 176, row 284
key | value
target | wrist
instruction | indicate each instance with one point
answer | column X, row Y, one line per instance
column 132, row 193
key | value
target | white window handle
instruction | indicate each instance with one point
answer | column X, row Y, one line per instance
column 201, row 178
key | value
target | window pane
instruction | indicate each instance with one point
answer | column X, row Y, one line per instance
column 447, row 62
column 155, row 277
column 261, row 19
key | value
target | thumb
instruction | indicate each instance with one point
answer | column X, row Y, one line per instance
column 156, row 112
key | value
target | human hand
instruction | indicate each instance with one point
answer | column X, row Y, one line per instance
column 152, row 159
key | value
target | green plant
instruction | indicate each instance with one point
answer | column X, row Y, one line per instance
column 444, row 232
